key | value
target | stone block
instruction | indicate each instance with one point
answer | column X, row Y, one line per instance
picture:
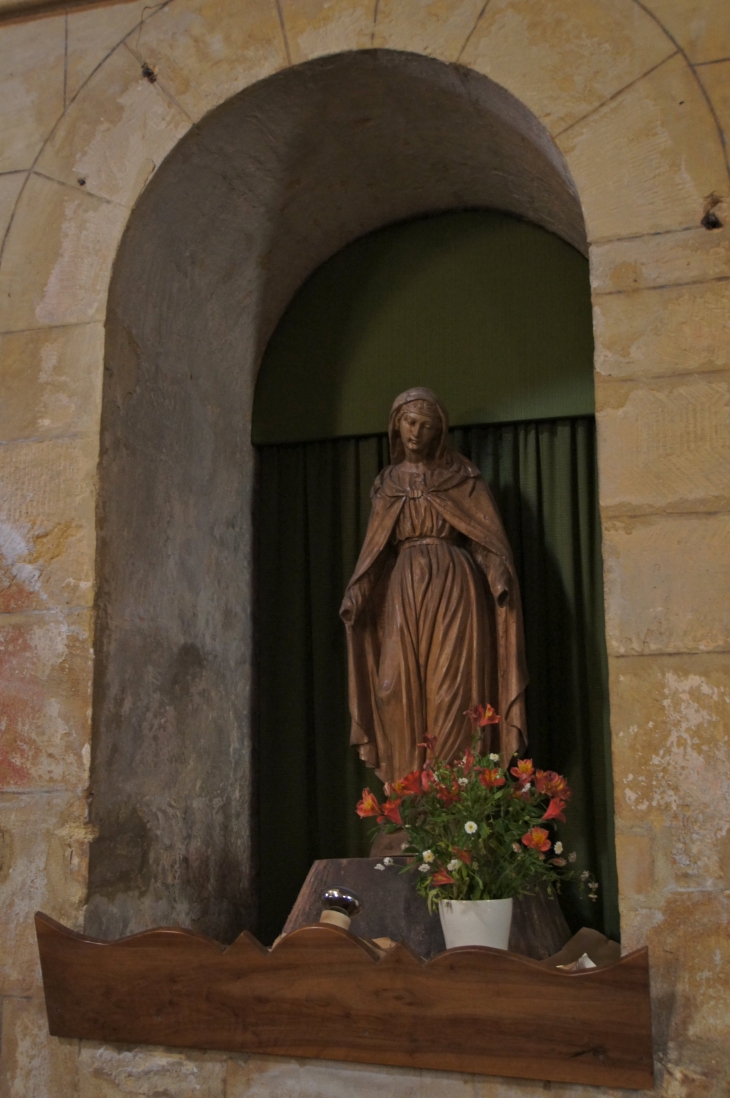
column 73, row 239
column 690, row 974
column 674, row 258
column 429, row 27
column 47, row 532
column 646, row 160
column 266, row 1076
column 701, row 27
column 670, row 731
column 665, row 444
column 666, row 580
column 33, row 1064
column 676, row 330
column 635, row 860
column 564, row 59
column 94, row 33
column 205, row 53
column 46, row 667
column 51, row 382
column 10, row 185
column 44, row 841
column 31, row 87
column 315, row 28
column 119, row 129
column 495, row 1087
column 149, row 1072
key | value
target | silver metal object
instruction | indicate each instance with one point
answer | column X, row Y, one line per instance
column 342, row 900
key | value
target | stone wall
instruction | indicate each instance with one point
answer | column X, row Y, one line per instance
column 636, row 97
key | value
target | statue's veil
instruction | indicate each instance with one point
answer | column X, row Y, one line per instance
column 397, row 452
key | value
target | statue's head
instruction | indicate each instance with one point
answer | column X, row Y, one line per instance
column 418, row 426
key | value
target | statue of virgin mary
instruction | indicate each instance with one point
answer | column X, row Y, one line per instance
column 433, row 616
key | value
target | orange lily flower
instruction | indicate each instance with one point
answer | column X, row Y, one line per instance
column 442, row 877
column 448, row 796
column 491, row 778
column 407, row 786
column 463, row 855
column 391, row 811
column 368, row 806
column 555, row 785
column 479, row 716
column 537, row 838
column 523, row 771
column 555, row 810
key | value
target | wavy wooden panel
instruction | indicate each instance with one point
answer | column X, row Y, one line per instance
column 323, row 992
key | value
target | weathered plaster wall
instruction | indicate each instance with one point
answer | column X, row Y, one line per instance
column 636, row 96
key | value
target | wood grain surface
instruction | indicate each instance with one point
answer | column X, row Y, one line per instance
column 322, row 992
column 393, row 909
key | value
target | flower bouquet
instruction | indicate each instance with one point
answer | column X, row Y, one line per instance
column 475, row 830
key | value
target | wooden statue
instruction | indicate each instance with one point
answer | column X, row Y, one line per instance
column 433, row 617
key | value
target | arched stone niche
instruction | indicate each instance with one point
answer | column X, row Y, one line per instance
column 252, row 200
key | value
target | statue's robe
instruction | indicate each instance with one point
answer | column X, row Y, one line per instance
column 434, row 622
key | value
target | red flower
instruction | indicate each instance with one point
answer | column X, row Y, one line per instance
column 523, row 771
column 391, row 811
column 479, row 716
column 427, row 780
column 442, row 877
column 429, row 742
column 407, row 786
column 448, row 796
column 555, row 785
column 368, row 806
column 537, row 839
column 491, row 779
column 463, row 855
column 469, row 760
column 555, row 810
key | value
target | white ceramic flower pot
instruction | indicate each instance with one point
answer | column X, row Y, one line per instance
column 476, row 922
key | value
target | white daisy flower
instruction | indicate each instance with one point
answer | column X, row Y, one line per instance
column 424, row 867
column 428, row 855
column 470, row 827
column 494, row 758
column 572, row 856
column 558, row 847
column 379, row 866
column 463, row 781
column 387, row 861
column 453, row 864
column 584, row 875
column 517, row 848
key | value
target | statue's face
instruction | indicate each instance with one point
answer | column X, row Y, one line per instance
column 418, row 432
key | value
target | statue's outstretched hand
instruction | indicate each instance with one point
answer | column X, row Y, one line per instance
column 348, row 610
column 500, row 579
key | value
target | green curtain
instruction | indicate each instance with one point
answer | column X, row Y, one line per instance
column 313, row 506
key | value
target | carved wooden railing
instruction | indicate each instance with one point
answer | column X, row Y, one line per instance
column 322, row 992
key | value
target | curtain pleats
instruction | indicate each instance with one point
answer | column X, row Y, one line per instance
column 312, row 510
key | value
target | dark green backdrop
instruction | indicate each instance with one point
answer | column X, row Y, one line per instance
column 313, row 510
column 492, row 313
column 495, row 315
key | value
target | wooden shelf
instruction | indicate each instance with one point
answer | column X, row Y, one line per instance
column 322, row 992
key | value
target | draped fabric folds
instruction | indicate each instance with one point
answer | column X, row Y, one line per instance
column 312, row 511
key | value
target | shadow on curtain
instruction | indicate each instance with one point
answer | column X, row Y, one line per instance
column 313, row 507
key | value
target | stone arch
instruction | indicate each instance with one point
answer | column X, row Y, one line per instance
column 251, row 201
